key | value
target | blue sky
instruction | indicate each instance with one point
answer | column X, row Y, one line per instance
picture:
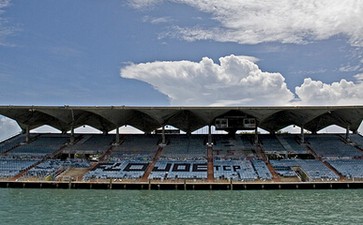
column 71, row 52
column 181, row 52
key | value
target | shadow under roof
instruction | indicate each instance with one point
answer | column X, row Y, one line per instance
column 188, row 119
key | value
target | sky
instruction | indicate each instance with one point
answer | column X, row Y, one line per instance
column 181, row 52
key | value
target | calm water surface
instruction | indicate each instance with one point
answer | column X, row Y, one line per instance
column 52, row 206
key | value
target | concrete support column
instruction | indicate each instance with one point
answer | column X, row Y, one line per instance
column 72, row 135
column 117, row 136
column 209, row 134
column 27, row 134
column 256, row 136
column 72, row 127
column 347, row 135
column 302, row 136
column 163, row 141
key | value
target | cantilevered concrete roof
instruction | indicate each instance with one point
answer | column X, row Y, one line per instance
column 147, row 119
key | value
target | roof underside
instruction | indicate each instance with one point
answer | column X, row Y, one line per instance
column 147, row 119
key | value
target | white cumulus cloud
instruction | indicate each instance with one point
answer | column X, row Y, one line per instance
column 313, row 92
column 8, row 128
column 143, row 3
column 285, row 21
column 156, row 20
column 236, row 80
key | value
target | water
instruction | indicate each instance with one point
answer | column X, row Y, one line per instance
column 55, row 206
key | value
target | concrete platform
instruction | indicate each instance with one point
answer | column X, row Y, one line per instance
column 182, row 185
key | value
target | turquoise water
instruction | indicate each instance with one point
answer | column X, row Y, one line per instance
column 54, row 206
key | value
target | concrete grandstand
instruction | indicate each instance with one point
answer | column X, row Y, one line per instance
column 238, row 158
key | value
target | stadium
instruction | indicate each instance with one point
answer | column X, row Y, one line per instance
column 231, row 155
